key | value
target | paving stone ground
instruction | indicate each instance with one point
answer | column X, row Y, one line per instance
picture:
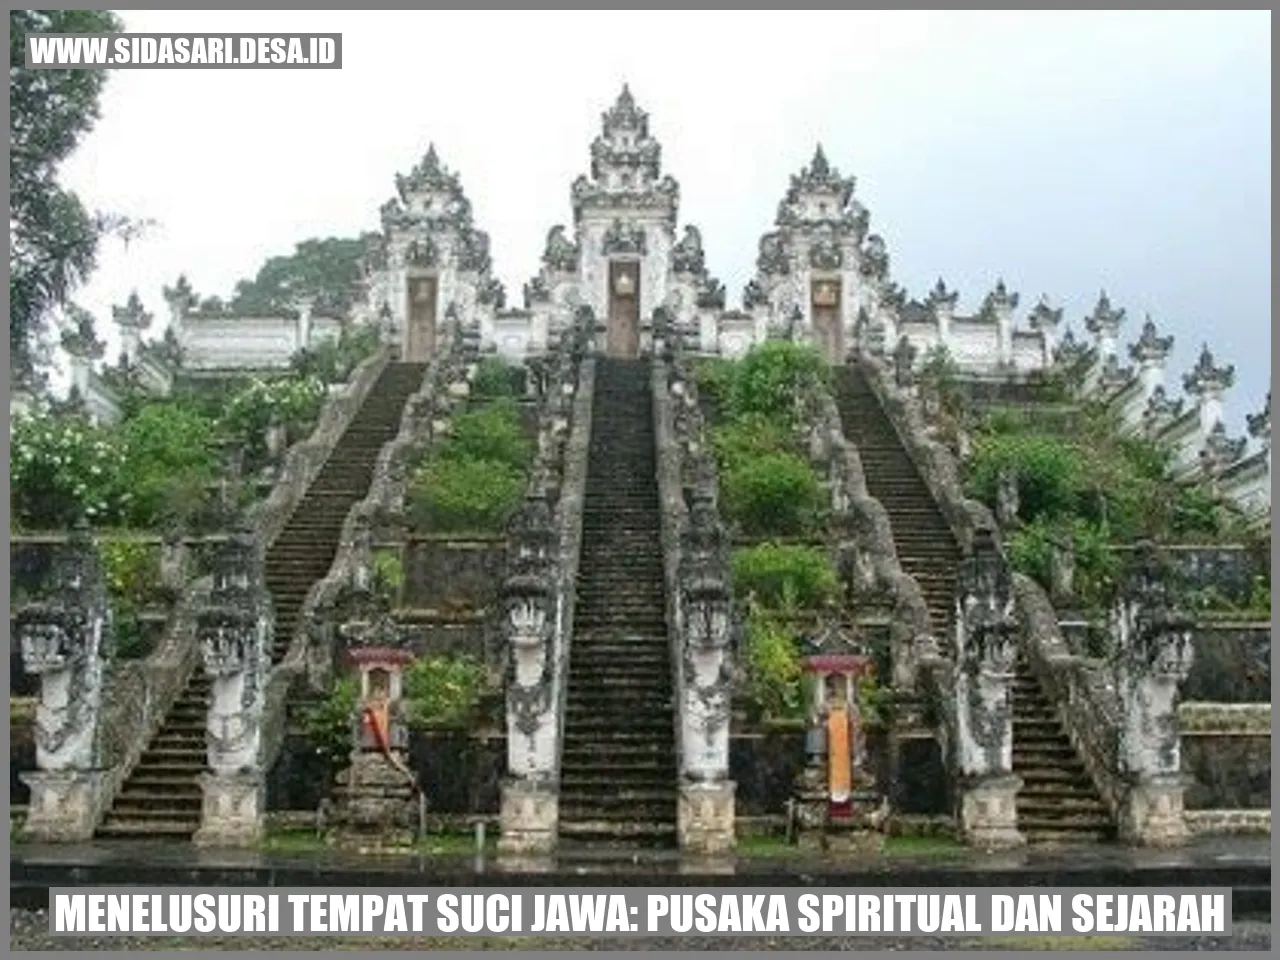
column 28, row 931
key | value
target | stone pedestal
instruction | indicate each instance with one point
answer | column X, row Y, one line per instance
column 705, row 817
column 65, row 805
column 861, row 832
column 233, row 811
column 376, row 802
column 989, row 813
column 1153, row 814
column 530, row 817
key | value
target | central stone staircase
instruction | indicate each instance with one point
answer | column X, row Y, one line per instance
column 162, row 796
column 927, row 549
column 618, row 767
column 1058, row 802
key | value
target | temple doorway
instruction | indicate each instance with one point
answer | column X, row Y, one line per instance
column 420, row 331
column 828, row 332
column 624, row 309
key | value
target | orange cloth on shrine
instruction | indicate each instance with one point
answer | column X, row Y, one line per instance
column 839, row 761
column 378, row 718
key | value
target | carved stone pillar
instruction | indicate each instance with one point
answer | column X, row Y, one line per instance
column 65, row 639
column 986, row 651
column 1153, row 642
column 705, row 814
column 235, row 630
column 530, row 802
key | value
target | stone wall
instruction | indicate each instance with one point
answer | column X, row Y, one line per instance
column 451, row 575
column 1231, row 664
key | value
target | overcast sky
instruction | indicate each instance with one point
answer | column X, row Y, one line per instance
column 1064, row 152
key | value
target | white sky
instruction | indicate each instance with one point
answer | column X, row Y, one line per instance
column 1063, row 152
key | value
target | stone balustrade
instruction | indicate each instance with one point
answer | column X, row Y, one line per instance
column 537, row 607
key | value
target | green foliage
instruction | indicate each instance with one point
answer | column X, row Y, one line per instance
column 169, row 459
column 773, row 665
column 464, row 495
column 388, row 572
column 774, row 574
column 327, row 271
column 293, row 401
column 1050, row 472
column 1260, row 596
column 61, row 468
column 776, row 494
column 333, row 360
column 53, row 239
column 739, row 441
column 1097, row 566
column 443, row 691
column 490, row 433
column 774, row 378
column 494, row 378
column 131, row 568
column 714, row 377
column 476, row 479
column 328, row 723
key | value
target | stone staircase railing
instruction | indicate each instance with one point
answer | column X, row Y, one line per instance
column 869, row 565
column 304, row 459
column 308, row 654
column 1107, row 710
column 136, row 696
column 543, row 549
column 699, row 599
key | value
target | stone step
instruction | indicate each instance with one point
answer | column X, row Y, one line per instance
column 136, row 826
column 610, row 832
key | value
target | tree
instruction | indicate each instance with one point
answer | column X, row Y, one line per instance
column 53, row 239
column 327, row 271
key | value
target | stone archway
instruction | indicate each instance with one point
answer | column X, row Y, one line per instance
column 828, row 331
column 420, row 327
column 623, row 332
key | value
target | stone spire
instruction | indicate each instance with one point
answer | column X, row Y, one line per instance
column 1260, row 423
column 819, row 196
column 626, row 165
column 132, row 319
column 1150, row 352
column 1104, row 324
column 943, row 304
column 1045, row 320
column 1207, row 382
column 999, row 305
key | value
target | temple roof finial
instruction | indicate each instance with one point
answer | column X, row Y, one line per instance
column 1207, row 377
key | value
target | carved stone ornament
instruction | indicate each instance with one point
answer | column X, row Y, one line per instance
column 687, row 256
column 560, row 254
column 624, row 238
column 65, row 637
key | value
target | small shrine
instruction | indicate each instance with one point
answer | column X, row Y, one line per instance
column 837, row 804
column 379, row 800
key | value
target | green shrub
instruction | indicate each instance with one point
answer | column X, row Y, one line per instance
column 293, row 401
column 333, row 360
column 772, row 495
column 774, row 672
column 1050, row 472
column 464, row 496
column 329, row 723
column 491, row 433
column 1097, row 566
column 131, row 568
column 388, row 572
column 443, row 691
column 495, row 378
column 62, row 467
column 168, row 461
column 714, row 377
column 773, row 379
column 744, row 439
column 776, row 573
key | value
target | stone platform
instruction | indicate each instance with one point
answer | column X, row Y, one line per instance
column 1239, row 863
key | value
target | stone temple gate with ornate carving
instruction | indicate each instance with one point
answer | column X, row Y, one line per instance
column 607, row 609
